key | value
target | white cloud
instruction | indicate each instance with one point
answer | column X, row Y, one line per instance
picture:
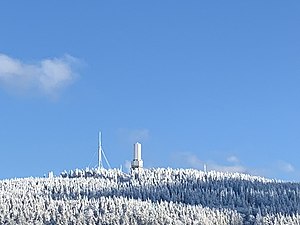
column 286, row 167
column 193, row 161
column 127, row 166
column 134, row 135
column 47, row 76
column 233, row 164
column 233, row 159
column 230, row 168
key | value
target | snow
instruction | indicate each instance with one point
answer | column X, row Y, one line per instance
column 153, row 196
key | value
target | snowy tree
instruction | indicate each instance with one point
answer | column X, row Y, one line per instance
column 155, row 196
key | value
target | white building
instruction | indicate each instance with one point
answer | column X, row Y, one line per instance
column 137, row 162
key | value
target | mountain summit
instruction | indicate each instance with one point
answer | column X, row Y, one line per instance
column 149, row 196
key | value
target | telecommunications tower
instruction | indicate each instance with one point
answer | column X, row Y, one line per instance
column 101, row 153
column 137, row 162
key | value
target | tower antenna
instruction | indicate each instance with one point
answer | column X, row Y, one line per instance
column 100, row 151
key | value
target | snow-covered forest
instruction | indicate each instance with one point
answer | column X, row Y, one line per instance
column 154, row 196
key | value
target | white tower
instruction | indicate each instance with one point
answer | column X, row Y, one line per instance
column 137, row 162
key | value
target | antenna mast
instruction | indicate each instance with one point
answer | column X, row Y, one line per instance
column 100, row 151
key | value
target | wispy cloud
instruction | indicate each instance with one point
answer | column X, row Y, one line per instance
column 233, row 159
column 134, row 135
column 193, row 161
column 286, row 167
column 233, row 164
column 229, row 168
column 47, row 76
column 127, row 165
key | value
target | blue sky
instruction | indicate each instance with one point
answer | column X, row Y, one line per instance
column 194, row 81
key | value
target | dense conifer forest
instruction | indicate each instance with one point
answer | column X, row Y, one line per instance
column 150, row 196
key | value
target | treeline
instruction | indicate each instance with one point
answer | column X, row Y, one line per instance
column 155, row 196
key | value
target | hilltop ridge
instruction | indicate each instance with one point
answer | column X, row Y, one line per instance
column 152, row 196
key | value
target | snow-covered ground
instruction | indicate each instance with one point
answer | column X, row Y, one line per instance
column 154, row 196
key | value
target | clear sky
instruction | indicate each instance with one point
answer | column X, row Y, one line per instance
column 214, row 82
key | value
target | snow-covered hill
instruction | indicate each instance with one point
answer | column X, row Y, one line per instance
column 155, row 196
